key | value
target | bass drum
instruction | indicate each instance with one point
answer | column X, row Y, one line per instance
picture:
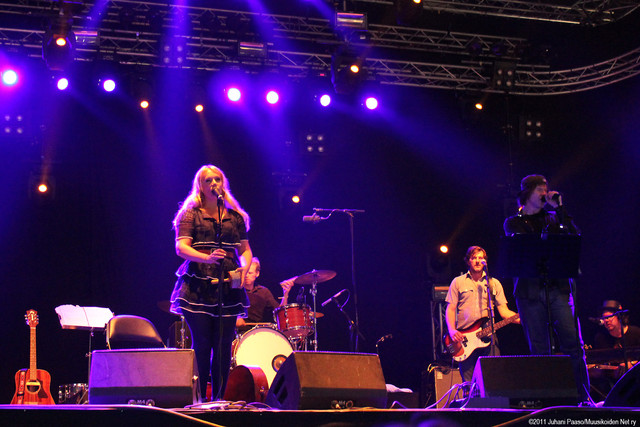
column 263, row 347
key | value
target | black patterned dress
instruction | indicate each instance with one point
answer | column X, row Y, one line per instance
column 196, row 289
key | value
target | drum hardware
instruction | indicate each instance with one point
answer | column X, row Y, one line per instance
column 312, row 278
column 73, row 394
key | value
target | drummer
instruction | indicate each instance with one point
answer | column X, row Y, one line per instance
column 261, row 300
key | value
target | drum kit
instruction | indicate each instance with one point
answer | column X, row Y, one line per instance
column 267, row 345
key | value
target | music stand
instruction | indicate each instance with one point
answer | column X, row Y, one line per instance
column 550, row 256
column 84, row 318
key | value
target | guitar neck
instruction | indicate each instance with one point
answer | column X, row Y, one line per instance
column 487, row 331
column 32, row 354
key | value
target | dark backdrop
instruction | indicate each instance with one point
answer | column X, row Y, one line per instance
column 424, row 168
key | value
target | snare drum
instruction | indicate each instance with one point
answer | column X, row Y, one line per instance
column 264, row 347
column 294, row 320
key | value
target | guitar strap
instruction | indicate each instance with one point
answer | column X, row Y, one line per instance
column 21, row 386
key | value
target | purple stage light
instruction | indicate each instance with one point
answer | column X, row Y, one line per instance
column 371, row 103
column 272, row 97
column 325, row 100
column 9, row 77
column 109, row 85
column 62, row 84
column 234, row 94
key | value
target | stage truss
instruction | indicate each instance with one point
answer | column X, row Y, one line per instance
column 302, row 46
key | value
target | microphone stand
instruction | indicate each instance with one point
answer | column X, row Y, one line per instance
column 219, row 392
column 491, row 314
column 354, row 330
column 349, row 213
column 618, row 314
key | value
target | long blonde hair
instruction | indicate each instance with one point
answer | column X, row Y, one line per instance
column 195, row 199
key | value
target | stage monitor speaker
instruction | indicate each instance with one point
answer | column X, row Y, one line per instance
column 626, row 392
column 527, row 381
column 328, row 380
column 157, row 377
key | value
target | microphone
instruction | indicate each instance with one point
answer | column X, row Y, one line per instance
column 596, row 320
column 484, row 267
column 314, row 219
column 333, row 297
column 219, row 196
column 557, row 198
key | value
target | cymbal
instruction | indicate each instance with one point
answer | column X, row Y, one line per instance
column 165, row 306
column 315, row 276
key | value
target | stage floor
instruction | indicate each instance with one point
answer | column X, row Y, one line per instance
column 236, row 416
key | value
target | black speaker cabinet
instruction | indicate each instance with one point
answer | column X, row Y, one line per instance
column 527, row 381
column 626, row 392
column 156, row 377
column 328, row 380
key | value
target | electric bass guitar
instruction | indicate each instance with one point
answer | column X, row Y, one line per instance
column 474, row 337
column 32, row 385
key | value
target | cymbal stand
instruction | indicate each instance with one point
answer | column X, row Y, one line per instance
column 314, row 292
column 183, row 339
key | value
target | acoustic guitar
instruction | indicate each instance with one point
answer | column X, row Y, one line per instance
column 32, row 385
column 474, row 337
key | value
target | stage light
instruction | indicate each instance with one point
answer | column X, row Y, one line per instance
column 9, row 77
column 444, row 249
column 352, row 21
column 234, row 94
column 173, row 50
column 314, row 143
column 531, row 129
column 295, row 199
column 347, row 70
column 199, row 108
column 272, row 97
column 504, row 75
column 109, row 85
column 14, row 124
column 371, row 103
column 144, row 104
column 325, row 100
column 42, row 186
column 62, row 83
column 479, row 106
column 58, row 46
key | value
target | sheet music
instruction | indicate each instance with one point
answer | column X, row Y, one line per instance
column 76, row 317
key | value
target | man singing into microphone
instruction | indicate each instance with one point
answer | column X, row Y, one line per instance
column 468, row 301
column 533, row 218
